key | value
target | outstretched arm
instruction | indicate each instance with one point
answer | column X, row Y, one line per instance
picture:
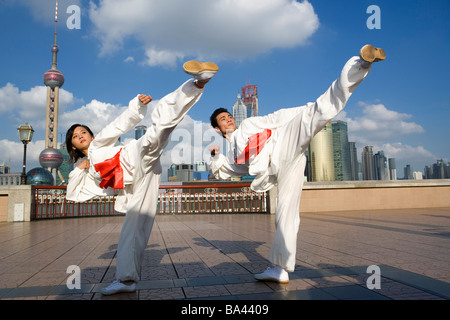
column 136, row 111
column 329, row 104
column 296, row 135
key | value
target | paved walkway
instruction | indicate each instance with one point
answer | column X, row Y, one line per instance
column 215, row 256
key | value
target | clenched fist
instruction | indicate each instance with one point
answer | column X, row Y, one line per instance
column 214, row 150
column 85, row 164
column 145, row 99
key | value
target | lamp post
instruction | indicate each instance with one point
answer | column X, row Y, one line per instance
column 25, row 135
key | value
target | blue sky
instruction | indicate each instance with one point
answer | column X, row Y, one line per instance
column 291, row 50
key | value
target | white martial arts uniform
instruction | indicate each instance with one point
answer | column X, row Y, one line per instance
column 282, row 159
column 140, row 161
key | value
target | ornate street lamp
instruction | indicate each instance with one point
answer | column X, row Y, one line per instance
column 25, row 135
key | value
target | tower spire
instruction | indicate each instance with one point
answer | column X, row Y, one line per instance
column 56, row 11
column 55, row 47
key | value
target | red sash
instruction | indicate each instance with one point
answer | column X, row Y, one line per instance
column 255, row 144
column 111, row 172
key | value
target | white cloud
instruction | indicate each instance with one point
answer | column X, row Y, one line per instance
column 404, row 152
column 162, row 57
column 96, row 115
column 7, row 96
column 13, row 153
column 378, row 124
column 219, row 29
column 31, row 104
column 129, row 59
column 384, row 129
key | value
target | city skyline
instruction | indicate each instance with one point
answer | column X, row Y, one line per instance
column 400, row 108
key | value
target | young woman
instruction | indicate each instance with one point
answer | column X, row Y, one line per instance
column 133, row 170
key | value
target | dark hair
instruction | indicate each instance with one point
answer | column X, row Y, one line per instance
column 213, row 117
column 74, row 154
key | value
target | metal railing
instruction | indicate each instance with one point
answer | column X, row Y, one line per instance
column 216, row 198
column 50, row 201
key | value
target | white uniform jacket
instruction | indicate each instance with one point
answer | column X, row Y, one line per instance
column 84, row 183
column 292, row 131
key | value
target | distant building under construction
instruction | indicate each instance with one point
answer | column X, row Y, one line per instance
column 246, row 104
column 250, row 99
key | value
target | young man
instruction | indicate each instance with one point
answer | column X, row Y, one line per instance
column 273, row 149
column 134, row 169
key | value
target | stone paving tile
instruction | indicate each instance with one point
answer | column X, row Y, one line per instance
column 293, row 285
column 162, row 272
column 215, row 257
column 325, row 282
column 30, row 298
column 206, row 291
column 354, row 292
column 399, row 291
column 92, row 275
column 82, row 296
column 248, row 288
column 162, row 294
column 120, row 296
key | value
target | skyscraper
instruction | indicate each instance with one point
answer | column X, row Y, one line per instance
column 367, row 163
column 341, row 150
column 321, row 155
column 392, row 169
column 353, row 161
column 239, row 111
column 428, row 172
column 408, row 172
column 139, row 131
column 439, row 169
column 380, row 166
column 246, row 105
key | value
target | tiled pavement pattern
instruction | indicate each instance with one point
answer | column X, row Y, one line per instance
column 215, row 256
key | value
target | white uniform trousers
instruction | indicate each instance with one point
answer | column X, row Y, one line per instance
column 142, row 195
column 290, row 144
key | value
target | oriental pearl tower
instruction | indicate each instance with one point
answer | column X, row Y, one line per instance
column 51, row 158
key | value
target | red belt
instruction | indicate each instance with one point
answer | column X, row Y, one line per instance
column 255, row 144
column 111, row 172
